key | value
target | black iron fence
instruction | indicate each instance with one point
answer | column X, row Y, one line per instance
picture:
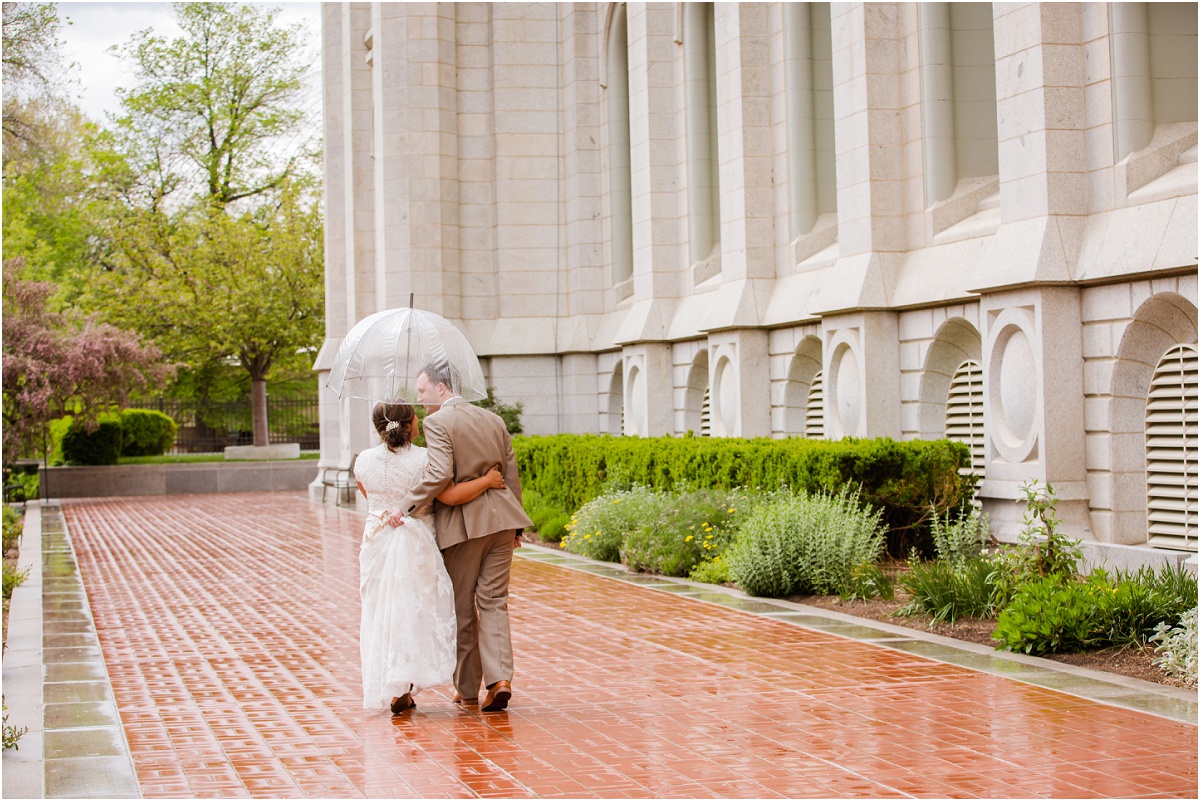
column 210, row 427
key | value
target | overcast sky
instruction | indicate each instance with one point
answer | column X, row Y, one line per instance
column 95, row 27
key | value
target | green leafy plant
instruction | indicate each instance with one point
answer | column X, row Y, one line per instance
column 1177, row 644
column 866, row 582
column 599, row 528
column 1050, row 615
column 1057, row 614
column 689, row 528
column 711, row 571
column 509, row 413
column 13, row 577
column 550, row 522
column 947, row 590
column 958, row 541
column 13, row 526
column 12, row 734
column 805, row 543
column 1041, row 550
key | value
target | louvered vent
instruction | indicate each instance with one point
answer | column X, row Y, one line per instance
column 1171, row 451
column 964, row 412
column 814, row 409
column 706, row 414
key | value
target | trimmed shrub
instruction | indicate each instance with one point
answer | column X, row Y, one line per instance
column 906, row 480
column 804, row 544
column 99, row 443
column 146, row 432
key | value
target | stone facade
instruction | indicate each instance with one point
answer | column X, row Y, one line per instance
column 781, row 219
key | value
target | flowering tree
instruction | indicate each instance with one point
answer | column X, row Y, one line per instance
column 56, row 363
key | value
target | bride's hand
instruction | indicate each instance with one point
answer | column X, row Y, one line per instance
column 495, row 478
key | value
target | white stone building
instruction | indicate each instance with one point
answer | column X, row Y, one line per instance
column 910, row 220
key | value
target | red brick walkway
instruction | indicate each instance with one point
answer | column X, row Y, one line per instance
column 229, row 626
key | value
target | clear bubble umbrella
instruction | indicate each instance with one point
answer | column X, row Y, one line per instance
column 382, row 355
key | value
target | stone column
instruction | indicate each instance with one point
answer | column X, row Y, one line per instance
column 1033, row 415
column 416, row 165
column 648, row 391
column 1034, row 422
column 859, row 334
column 336, row 157
column 740, row 383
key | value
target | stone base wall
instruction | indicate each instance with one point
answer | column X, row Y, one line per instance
column 177, row 479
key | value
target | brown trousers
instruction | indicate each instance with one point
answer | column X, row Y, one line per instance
column 479, row 570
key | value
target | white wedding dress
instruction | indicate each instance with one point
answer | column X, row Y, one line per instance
column 408, row 634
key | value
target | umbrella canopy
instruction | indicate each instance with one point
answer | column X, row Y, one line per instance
column 383, row 354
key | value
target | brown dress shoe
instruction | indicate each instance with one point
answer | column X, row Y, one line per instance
column 497, row 697
column 458, row 699
column 402, row 703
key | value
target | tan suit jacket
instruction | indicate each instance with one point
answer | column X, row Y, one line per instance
column 463, row 442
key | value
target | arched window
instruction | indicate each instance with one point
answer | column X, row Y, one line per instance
column 814, row 410
column 964, row 411
column 1171, row 451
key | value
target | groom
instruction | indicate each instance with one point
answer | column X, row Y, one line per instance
column 476, row 538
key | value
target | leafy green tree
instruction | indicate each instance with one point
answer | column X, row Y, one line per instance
column 33, row 68
column 208, row 286
column 215, row 235
column 50, row 207
column 215, row 112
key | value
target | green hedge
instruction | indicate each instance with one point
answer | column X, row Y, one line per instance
column 132, row 432
column 905, row 479
column 146, row 432
column 93, row 445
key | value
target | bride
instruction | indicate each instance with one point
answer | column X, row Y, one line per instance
column 408, row 635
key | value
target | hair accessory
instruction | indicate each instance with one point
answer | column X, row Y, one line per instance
column 391, row 424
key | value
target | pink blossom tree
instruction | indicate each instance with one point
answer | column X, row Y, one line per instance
column 57, row 363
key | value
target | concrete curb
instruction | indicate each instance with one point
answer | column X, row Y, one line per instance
column 24, row 768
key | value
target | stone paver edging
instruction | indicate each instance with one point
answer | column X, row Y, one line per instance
column 75, row 747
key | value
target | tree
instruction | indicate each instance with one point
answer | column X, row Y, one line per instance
column 215, row 110
column 217, row 250
column 49, row 206
column 56, row 363
column 33, row 67
column 208, row 286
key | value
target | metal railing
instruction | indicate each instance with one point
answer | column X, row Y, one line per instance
column 210, row 427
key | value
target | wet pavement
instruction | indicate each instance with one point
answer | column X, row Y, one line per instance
column 228, row 627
